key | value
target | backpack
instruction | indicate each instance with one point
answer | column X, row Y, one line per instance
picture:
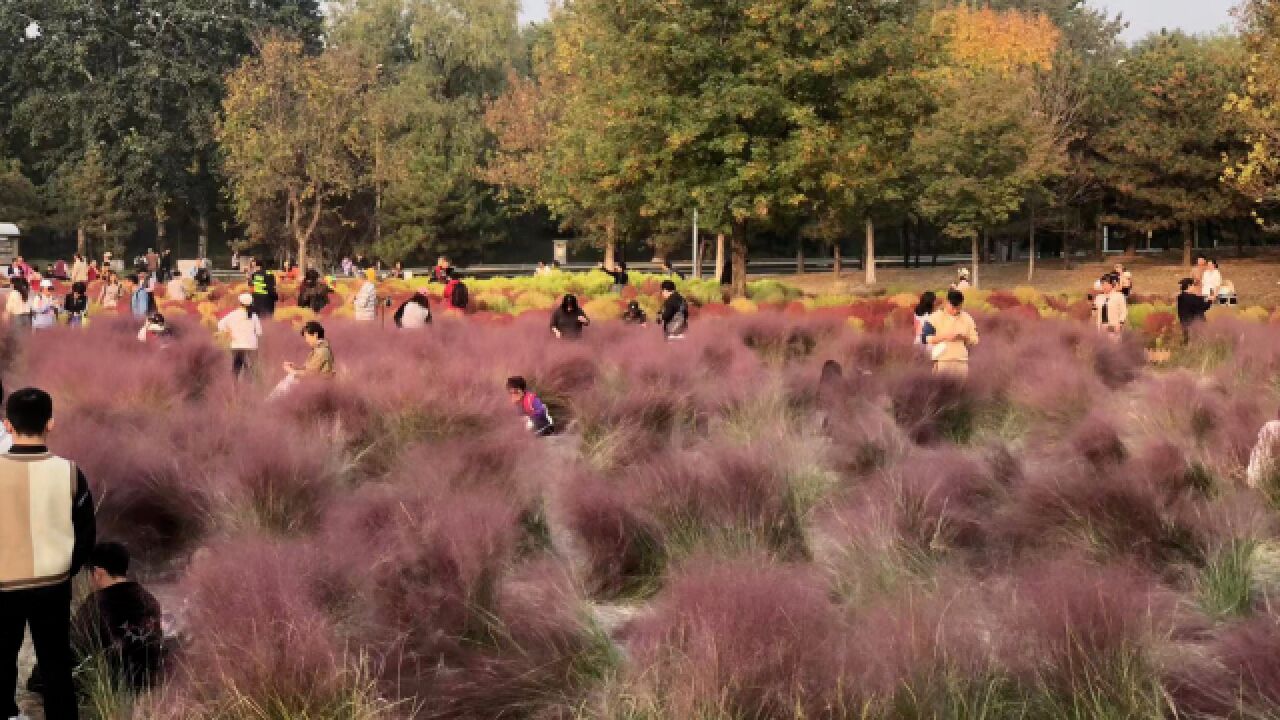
column 458, row 297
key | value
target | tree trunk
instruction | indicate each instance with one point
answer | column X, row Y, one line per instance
column 975, row 251
column 720, row 257
column 739, row 270
column 1100, row 231
column 202, row 246
column 698, row 250
column 935, row 245
column 1239, row 241
column 906, row 245
column 837, row 261
column 162, row 229
column 1188, row 239
column 610, row 244
column 800, row 257
column 82, row 242
column 1066, row 241
column 917, row 239
column 871, row 252
column 1031, row 247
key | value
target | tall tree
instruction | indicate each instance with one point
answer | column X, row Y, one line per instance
column 20, row 200
column 1254, row 168
column 87, row 199
column 1160, row 156
column 976, row 167
column 141, row 80
column 437, row 61
column 291, row 134
column 570, row 138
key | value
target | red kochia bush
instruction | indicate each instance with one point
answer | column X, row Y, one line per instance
column 746, row 638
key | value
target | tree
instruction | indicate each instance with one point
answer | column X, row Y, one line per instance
column 20, row 200
column 723, row 106
column 571, row 138
column 1254, row 167
column 435, row 64
column 976, row 168
column 291, row 136
column 1160, row 157
column 88, row 201
column 140, row 81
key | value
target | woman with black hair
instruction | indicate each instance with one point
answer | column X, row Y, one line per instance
column 313, row 294
column 415, row 313
column 635, row 315
column 568, row 320
column 924, row 309
column 18, row 305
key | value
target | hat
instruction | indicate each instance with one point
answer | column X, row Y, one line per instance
column 246, row 299
column 46, row 284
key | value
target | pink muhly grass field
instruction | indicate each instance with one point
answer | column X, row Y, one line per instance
column 713, row 532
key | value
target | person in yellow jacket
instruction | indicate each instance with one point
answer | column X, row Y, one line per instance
column 952, row 332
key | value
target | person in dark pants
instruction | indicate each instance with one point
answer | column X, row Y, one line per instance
column 46, row 534
column 1192, row 307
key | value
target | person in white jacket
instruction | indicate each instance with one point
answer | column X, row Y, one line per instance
column 366, row 300
column 244, row 328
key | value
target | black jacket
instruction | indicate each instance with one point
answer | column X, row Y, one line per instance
column 673, row 307
column 1192, row 308
column 569, row 324
column 123, row 622
column 75, row 306
column 263, row 286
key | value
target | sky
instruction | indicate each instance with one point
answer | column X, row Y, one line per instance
column 1144, row 16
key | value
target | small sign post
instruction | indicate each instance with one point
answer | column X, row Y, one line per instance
column 560, row 251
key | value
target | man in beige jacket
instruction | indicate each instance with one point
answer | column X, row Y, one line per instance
column 954, row 332
column 47, row 531
column 1111, row 309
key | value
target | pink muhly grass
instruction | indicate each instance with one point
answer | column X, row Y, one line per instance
column 1098, row 441
column 539, row 656
column 620, row 543
column 427, row 562
column 779, row 338
column 931, row 408
column 1239, row 678
column 265, row 641
column 284, row 481
column 722, row 494
column 944, row 498
column 1118, row 510
column 744, row 638
column 1065, row 619
column 149, row 474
